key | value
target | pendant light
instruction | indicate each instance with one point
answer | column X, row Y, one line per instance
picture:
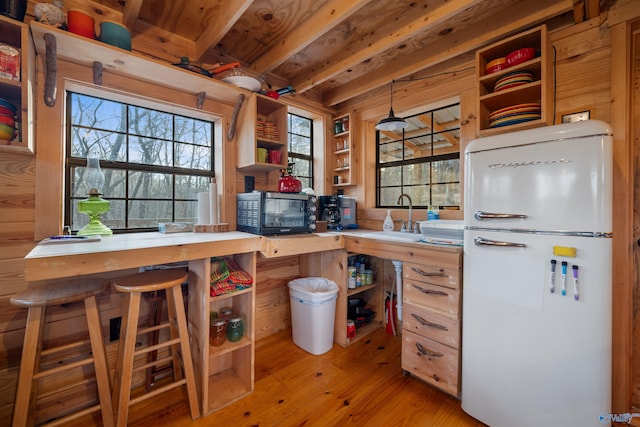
column 392, row 123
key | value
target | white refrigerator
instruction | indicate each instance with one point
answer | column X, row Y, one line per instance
column 536, row 315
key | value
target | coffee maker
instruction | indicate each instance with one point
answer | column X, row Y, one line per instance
column 329, row 209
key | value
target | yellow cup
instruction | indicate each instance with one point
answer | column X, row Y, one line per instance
column 262, row 155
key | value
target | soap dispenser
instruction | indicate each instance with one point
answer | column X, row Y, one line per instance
column 387, row 225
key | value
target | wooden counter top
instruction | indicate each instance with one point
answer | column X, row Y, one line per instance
column 124, row 251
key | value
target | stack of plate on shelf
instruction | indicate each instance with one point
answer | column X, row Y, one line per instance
column 516, row 78
column 514, row 114
column 7, row 120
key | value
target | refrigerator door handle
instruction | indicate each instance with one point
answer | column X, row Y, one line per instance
column 482, row 215
column 481, row 241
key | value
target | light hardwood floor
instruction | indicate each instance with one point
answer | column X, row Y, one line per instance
column 361, row 385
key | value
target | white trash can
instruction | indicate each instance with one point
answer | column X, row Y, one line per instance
column 313, row 313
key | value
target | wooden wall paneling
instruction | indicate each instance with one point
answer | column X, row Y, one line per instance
column 623, row 245
column 635, row 136
column 273, row 312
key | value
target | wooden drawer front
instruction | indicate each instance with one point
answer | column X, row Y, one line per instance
column 430, row 324
column 432, row 274
column 431, row 361
column 437, row 298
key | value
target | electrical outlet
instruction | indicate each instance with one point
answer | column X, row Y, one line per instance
column 114, row 328
column 575, row 117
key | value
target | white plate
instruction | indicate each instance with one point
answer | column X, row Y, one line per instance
column 244, row 82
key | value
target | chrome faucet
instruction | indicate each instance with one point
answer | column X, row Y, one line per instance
column 409, row 227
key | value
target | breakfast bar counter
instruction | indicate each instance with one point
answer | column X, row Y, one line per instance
column 124, row 251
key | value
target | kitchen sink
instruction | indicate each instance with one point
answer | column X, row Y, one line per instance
column 394, row 236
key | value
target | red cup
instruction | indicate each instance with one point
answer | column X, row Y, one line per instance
column 81, row 24
column 275, row 156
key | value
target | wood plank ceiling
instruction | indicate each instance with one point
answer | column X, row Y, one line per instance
column 336, row 50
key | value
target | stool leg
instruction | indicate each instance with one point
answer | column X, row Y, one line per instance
column 99, row 360
column 176, row 310
column 124, row 365
column 29, row 364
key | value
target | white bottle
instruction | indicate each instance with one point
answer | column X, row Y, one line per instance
column 387, row 225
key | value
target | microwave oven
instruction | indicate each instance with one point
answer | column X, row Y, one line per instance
column 269, row 213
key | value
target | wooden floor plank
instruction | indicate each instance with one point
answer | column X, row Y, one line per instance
column 362, row 385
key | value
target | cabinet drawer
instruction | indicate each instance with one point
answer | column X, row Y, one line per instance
column 432, row 274
column 434, row 297
column 431, row 361
column 430, row 324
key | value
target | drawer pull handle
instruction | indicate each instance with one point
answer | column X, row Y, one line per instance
column 430, row 291
column 426, row 352
column 425, row 322
column 439, row 273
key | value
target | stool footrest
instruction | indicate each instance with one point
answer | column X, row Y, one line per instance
column 74, row 416
column 153, row 328
column 154, row 363
column 64, row 347
column 62, row 368
column 157, row 347
column 157, row 391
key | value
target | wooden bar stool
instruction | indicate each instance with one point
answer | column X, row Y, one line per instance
column 134, row 286
column 37, row 300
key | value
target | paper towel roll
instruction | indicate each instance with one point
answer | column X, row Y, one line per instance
column 213, row 202
column 203, row 208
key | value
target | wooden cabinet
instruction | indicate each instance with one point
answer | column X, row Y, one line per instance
column 19, row 91
column 263, row 126
column 432, row 294
column 342, row 150
column 226, row 371
column 538, row 91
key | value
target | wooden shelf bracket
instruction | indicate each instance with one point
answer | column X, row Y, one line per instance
column 50, row 70
column 97, row 73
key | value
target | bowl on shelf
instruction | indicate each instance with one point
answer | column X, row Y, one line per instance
column 519, row 56
column 495, row 65
column 7, row 120
column 7, row 132
column 115, row 34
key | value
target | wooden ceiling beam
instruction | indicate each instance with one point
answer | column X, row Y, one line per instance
column 130, row 13
column 512, row 19
column 227, row 15
column 326, row 18
column 367, row 48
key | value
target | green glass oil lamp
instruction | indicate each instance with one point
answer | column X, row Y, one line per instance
column 94, row 205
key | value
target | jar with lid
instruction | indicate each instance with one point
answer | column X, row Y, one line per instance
column 226, row 313
column 345, row 123
column 337, row 127
column 217, row 331
column 235, row 329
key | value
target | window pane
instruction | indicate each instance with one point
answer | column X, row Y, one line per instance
column 188, row 186
column 416, row 174
column 391, row 176
column 300, row 125
column 148, row 213
column 96, row 113
column 192, row 156
column 300, row 140
column 149, row 185
column 150, row 151
column 97, row 143
column 300, row 145
column 151, row 123
column 193, row 131
column 389, row 196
